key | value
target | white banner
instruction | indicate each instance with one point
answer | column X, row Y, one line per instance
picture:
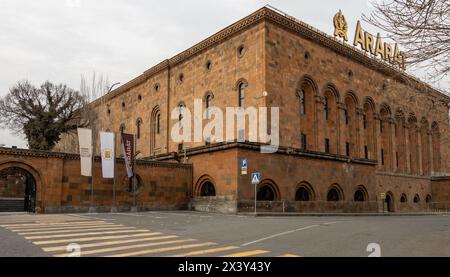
column 108, row 155
column 85, row 142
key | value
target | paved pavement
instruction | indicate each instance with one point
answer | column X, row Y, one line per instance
column 201, row 234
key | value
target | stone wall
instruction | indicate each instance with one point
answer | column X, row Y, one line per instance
column 61, row 188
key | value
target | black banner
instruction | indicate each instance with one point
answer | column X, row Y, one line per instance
column 128, row 152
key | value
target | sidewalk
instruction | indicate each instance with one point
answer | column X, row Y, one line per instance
column 280, row 214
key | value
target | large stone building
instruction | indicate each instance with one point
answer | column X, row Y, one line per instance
column 353, row 130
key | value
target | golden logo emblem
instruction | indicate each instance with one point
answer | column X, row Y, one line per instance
column 340, row 26
column 107, row 154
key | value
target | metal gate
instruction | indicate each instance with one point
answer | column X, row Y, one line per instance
column 18, row 203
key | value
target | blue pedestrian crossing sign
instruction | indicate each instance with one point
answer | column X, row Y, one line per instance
column 256, row 178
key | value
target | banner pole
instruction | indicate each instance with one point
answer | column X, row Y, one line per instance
column 92, row 171
column 135, row 180
column 114, row 176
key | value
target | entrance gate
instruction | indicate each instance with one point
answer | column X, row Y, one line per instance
column 17, row 190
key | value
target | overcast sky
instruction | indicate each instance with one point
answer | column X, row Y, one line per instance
column 60, row 40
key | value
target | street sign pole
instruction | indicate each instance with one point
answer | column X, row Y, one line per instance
column 255, row 198
column 255, row 180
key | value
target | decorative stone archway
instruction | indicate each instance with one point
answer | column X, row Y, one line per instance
column 29, row 178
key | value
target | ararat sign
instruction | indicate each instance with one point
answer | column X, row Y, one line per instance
column 369, row 43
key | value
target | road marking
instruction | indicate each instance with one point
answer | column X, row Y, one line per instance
column 78, row 230
column 66, row 228
column 86, row 234
column 247, row 253
column 130, row 214
column 107, row 243
column 51, row 224
column 280, row 234
column 94, row 238
column 289, row 256
column 207, row 251
column 166, row 249
column 126, row 247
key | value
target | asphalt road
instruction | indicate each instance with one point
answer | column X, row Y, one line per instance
column 201, row 234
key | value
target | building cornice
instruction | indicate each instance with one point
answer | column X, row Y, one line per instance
column 253, row 146
column 67, row 156
column 293, row 25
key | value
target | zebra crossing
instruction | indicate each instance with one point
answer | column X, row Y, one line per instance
column 62, row 236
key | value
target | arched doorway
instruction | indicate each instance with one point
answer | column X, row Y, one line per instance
column 18, row 190
column 207, row 189
column 389, row 202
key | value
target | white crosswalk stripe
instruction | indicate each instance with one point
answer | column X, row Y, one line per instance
column 78, row 230
column 73, row 240
column 97, row 237
column 108, row 243
column 86, row 234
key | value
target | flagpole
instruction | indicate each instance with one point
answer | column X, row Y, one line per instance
column 114, row 209
column 135, row 180
column 92, row 172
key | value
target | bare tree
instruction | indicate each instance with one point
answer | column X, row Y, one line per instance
column 43, row 113
column 92, row 89
column 422, row 27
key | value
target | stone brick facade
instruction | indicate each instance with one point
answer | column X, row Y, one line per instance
column 61, row 188
column 352, row 128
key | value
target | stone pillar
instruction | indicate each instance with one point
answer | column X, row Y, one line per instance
column 319, row 124
column 377, row 138
column 430, row 151
column 419, row 152
column 407, row 149
column 342, row 128
column 392, row 144
column 359, row 132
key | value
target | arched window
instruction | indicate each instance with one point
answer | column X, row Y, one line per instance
column 208, row 104
column 155, row 128
column 416, row 199
column 325, row 107
column 302, row 102
column 360, row 195
column 369, row 137
column 334, row 194
column 122, row 128
column 413, row 144
column 331, row 120
column 207, row 189
column 181, row 107
column 428, row 199
column 304, row 193
column 435, row 142
column 241, row 94
column 403, row 198
column 386, row 138
column 158, row 123
column 425, row 146
column 351, row 135
column 265, row 193
column 138, row 128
